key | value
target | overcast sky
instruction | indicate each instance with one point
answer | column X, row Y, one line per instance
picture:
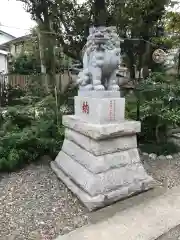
column 13, row 15
column 15, row 18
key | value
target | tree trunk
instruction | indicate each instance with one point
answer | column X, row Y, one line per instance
column 100, row 13
column 178, row 68
column 41, row 52
column 49, row 41
column 157, row 134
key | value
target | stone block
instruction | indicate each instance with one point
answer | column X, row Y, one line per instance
column 95, row 184
column 99, row 94
column 91, row 203
column 101, row 200
column 169, row 157
column 79, row 175
column 99, row 164
column 98, row 132
column 100, row 110
column 162, row 157
column 153, row 156
column 99, row 161
column 102, row 147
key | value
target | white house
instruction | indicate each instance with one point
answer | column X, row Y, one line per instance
column 5, row 37
column 3, row 61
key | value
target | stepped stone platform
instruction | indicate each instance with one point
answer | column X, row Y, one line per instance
column 99, row 161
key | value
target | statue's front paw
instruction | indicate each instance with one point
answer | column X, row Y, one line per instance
column 99, row 88
column 114, row 88
column 88, row 87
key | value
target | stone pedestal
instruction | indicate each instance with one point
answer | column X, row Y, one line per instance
column 99, row 161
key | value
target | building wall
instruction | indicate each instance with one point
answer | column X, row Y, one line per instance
column 18, row 48
column 3, row 63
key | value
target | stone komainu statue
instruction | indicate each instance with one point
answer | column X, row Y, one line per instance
column 101, row 58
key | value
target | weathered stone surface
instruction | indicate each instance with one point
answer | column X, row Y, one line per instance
column 100, row 61
column 80, row 175
column 99, row 94
column 101, row 183
column 153, row 156
column 169, row 157
column 100, row 110
column 100, row 200
column 162, row 157
column 98, row 164
column 97, row 131
column 99, row 160
column 99, row 148
column 90, row 202
column 149, row 183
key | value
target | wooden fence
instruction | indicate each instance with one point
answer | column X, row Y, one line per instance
column 3, row 91
column 14, row 80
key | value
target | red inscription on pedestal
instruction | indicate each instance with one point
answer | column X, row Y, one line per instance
column 112, row 107
column 114, row 111
column 110, row 110
column 85, row 108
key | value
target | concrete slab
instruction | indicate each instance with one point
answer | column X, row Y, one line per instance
column 110, row 211
column 173, row 234
column 146, row 221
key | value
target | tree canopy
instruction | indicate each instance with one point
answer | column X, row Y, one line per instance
column 70, row 21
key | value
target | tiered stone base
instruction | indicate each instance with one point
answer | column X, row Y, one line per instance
column 100, row 163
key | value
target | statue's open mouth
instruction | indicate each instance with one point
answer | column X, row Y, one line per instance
column 98, row 35
column 100, row 38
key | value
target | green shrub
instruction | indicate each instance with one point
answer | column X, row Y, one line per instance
column 159, row 106
column 29, row 131
column 21, row 143
column 26, row 143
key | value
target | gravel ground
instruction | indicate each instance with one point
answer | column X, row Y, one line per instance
column 165, row 171
column 173, row 234
column 35, row 205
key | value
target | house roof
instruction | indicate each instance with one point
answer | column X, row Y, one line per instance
column 2, row 52
column 5, row 33
column 16, row 40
